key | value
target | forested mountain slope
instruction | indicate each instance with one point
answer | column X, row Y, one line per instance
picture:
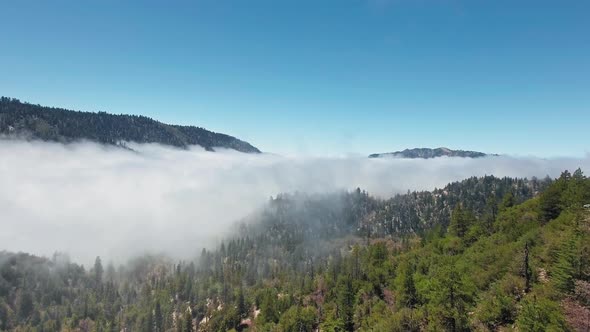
column 61, row 125
column 304, row 264
column 358, row 213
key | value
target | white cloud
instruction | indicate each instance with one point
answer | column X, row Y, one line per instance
column 88, row 200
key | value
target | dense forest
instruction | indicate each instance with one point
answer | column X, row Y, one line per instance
column 30, row 121
column 483, row 254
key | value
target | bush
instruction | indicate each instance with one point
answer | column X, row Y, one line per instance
column 540, row 315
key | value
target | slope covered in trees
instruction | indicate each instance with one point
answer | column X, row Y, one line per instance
column 306, row 263
column 61, row 125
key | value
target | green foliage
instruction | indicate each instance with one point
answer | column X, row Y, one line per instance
column 406, row 320
column 540, row 315
column 567, row 192
column 187, row 323
column 268, row 303
column 346, row 301
column 331, row 323
column 499, row 305
column 450, row 295
column 405, row 286
column 550, row 202
column 225, row 319
column 297, row 319
column 564, row 271
column 460, row 222
column 508, row 201
column 241, row 306
column 158, row 318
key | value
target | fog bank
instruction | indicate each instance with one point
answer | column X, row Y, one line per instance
column 87, row 200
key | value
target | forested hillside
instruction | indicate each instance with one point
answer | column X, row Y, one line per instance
column 483, row 254
column 55, row 124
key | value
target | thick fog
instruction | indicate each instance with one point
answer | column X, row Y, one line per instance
column 87, row 200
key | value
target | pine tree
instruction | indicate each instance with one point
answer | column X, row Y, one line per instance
column 149, row 322
column 461, row 220
column 526, row 269
column 346, row 302
column 112, row 326
column 26, row 305
column 491, row 212
column 550, row 202
column 450, row 298
column 404, row 282
column 508, row 201
column 188, row 322
column 98, row 271
column 241, row 305
column 565, row 267
column 158, row 318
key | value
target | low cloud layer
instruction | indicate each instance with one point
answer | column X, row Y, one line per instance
column 87, row 200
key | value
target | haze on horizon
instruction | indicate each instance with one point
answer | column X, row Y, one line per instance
column 88, row 199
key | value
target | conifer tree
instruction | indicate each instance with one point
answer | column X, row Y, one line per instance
column 346, row 302
column 565, row 267
column 98, row 271
column 526, row 269
column 158, row 318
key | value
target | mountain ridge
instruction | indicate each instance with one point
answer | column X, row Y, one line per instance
column 45, row 123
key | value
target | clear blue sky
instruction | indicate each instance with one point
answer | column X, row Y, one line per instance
column 317, row 76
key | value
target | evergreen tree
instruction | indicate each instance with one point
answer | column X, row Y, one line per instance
column 550, row 202
column 26, row 305
column 346, row 302
column 188, row 322
column 451, row 298
column 526, row 269
column 241, row 305
column 158, row 318
column 491, row 212
column 508, row 201
column 148, row 324
column 98, row 270
column 405, row 287
column 461, row 220
column 565, row 267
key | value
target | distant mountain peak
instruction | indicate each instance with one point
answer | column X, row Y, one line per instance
column 427, row 153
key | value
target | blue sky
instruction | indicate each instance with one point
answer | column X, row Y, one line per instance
column 317, row 77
